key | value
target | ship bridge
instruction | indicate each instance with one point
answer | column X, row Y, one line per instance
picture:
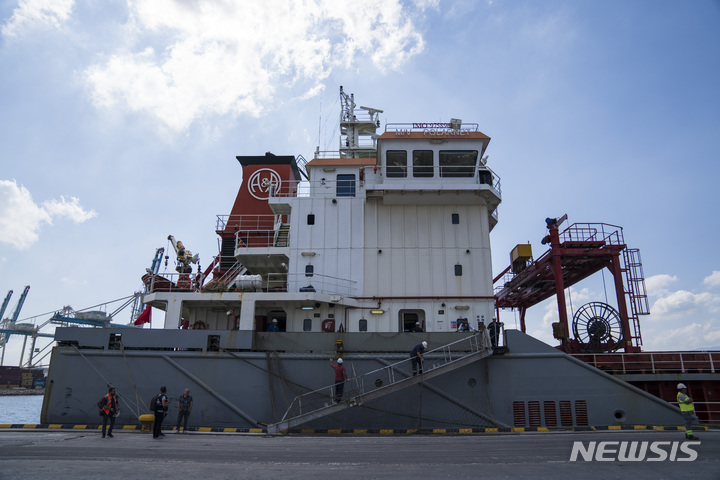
column 435, row 164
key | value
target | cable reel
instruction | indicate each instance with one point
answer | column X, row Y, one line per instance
column 597, row 328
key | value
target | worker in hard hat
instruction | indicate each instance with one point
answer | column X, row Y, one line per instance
column 340, row 378
column 688, row 410
column 417, row 328
column 416, row 357
column 273, row 327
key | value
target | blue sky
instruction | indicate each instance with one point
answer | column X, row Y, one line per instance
column 121, row 121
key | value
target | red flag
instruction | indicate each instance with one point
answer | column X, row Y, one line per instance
column 144, row 317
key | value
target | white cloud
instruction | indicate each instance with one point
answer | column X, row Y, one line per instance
column 21, row 218
column 713, row 280
column 659, row 284
column 69, row 209
column 37, row 13
column 685, row 337
column 682, row 302
column 218, row 58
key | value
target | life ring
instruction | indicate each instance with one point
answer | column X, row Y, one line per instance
column 199, row 325
column 183, row 282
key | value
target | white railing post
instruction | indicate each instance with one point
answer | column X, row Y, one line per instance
column 652, row 363
column 682, row 363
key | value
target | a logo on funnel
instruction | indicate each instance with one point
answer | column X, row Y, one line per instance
column 261, row 181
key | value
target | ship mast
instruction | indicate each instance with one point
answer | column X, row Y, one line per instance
column 358, row 138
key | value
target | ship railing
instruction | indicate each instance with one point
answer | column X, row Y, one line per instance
column 271, row 282
column 445, row 176
column 173, row 282
column 246, row 222
column 707, row 412
column 365, row 149
column 404, row 178
column 701, row 361
column 391, row 374
column 583, row 232
column 325, row 284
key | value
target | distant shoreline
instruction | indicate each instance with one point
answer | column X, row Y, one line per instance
column 21, row 391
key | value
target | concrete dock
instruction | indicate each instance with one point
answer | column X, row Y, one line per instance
column 130, row 455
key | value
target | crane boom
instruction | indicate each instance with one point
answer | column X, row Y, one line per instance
column 5, row 304
column 16, row 314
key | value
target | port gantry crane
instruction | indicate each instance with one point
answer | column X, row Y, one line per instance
column 576, row 253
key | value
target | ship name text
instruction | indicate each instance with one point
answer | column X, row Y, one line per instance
column 435, row 132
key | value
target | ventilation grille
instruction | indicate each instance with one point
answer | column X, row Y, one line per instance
column 538, row 415
column 550, row 414
column 581, row 414
column 566, row 419
column 519, row 414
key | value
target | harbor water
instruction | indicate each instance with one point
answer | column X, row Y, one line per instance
column 20, row 409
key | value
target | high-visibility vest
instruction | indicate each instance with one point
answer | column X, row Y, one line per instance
column 684, row 407
column 111, row 403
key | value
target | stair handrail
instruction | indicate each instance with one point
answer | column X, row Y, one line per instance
column 477, row 342
column 232, row 272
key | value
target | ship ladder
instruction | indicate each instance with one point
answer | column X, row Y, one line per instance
column 317, row 404
column 636, row 292
column 282, row 234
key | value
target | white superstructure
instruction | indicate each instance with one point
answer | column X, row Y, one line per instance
column 391, row 231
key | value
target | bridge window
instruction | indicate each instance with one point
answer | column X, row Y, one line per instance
column 422, row 163
column 346, row 185
column 311, row 219
column 458, row 270
column 458, row 163
column 363, row 325
column 396, row 163
column 307, row 324
column 309, row 270
column 456, row 219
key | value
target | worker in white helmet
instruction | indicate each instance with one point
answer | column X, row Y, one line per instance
column 688, row 410
column 416, row 357
column 340, row 378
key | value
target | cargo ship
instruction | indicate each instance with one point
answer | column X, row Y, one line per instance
column 360, row 254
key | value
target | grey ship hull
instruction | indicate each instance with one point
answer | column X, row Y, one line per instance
column 247, row 380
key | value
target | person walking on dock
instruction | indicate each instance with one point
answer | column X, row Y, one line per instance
column 108, row 410
column 160, row 410
column 185, row 403
column 340, row 379
column 416, row 357
column 688, row 410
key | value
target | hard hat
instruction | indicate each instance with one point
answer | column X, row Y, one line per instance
column 681, row 386
column 274, row 320
column 417, row 323
column 339, row 360
column 424, row 344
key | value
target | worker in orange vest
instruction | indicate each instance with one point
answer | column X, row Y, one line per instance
column 108, row 410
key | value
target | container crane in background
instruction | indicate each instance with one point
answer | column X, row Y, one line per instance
column 9, row 326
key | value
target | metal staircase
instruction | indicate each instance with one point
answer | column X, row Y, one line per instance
column 281, row 235
column 384, row 381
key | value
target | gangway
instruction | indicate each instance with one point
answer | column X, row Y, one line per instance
column 372, row 385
